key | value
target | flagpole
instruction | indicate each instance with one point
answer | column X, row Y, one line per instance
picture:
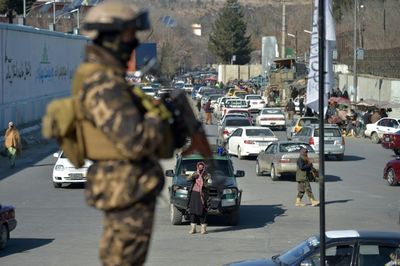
column 321, row 92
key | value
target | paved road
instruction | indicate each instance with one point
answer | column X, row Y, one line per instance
column 57, row 228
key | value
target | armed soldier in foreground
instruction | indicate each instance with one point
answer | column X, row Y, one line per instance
column 122, row 131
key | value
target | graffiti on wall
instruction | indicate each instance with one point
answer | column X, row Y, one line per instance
column 17, row 69
column 48, row 72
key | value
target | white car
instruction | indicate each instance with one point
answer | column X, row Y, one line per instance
column 229, row 125
column 234, row 104
column 219, row 105
column 249, row 141
column 256, row 102
column 149, row 91
column 384, row 125
column 65, row 172
column 271, row 117
column 188, row 87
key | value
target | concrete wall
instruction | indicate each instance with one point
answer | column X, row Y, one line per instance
column 373, row 87
column 231, row 72
column 37, row 66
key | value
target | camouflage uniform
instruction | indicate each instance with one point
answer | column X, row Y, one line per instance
column 303, row 173
column 125, row 190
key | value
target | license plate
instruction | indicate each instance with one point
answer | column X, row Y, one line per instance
column 387, row 139
column 273, row 123
column 76, row 176
column 263, row 143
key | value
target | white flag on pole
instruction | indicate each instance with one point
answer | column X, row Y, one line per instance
column 330, row 42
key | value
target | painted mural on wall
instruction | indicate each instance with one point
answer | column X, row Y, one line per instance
column 41, row 67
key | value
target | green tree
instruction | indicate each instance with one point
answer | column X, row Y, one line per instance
column 168, row 61
column 229, row 36
column 339, row 7
column 14, row 5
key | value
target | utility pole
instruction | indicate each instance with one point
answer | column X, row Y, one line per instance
column 283, row 28
column 355, row 51
column 24, row 13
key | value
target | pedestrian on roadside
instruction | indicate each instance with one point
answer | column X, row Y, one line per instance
column 208, row 112
column 198, row 196
column 290, row 109
column 303, row 176
column 12, row 143
column 309, row 112
column 301, row 106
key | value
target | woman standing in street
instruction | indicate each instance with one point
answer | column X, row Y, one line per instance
column 12, row 143
column 198, row 199
column 303, row 174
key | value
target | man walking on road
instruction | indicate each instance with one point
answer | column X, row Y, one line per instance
column 304, row 168
column 12, row 142
column 290, row 109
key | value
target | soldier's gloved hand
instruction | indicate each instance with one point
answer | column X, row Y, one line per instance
column 199, row 143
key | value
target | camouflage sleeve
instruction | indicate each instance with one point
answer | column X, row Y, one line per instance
column 109, row 105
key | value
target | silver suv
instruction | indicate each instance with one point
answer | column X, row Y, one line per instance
column 334, row 141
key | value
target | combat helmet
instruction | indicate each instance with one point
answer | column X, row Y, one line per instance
column 114, row 16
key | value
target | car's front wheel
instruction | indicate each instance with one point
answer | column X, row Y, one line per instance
column 232, row 217
column 375, row 138
column 3, row 236
column 391, row 177
column 397, row 152
column 57, row 185
column 176, row 215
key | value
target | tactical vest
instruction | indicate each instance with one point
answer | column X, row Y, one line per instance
column 95, row 144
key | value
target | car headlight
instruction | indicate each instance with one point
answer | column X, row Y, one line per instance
column 59, row 167
column 180, row 192
column 229, row 193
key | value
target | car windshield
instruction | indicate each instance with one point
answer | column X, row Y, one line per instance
column 237, row 123
column 299, row 251
column 308, row 121
column 255, row 97
column 272, row 112
column 294, row 147
column 238, row 112
column 222, row 167
column 329, row 132
column 259, row 132
column 236, row 103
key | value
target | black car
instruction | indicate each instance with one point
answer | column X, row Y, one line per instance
column 7, row 223
column 347, row 247
column 224, row 198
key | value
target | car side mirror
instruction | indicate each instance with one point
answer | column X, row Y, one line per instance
column 169, row 173
column 239, row 173
column 56, row 154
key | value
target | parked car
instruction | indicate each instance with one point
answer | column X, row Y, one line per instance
column 333, row 139
column 162, row 93
column 7, row 224
column 255, row 101
column 271, row 117
column 229, row 125
column 221, row 104
column 230, row 112
column 188, row 87
column 280, row 157
column 296, row 124
column 249, row 141
column 392, row 141
column 376, row 130
column 235, row 104
column 391, row 172
column 194, row 91
column 225, row 202
column 149, row 91
column 346, row 247
column 65, row 172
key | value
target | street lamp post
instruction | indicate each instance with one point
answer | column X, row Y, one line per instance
column 355, row 51
column 54, row 15
column 24, row 13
